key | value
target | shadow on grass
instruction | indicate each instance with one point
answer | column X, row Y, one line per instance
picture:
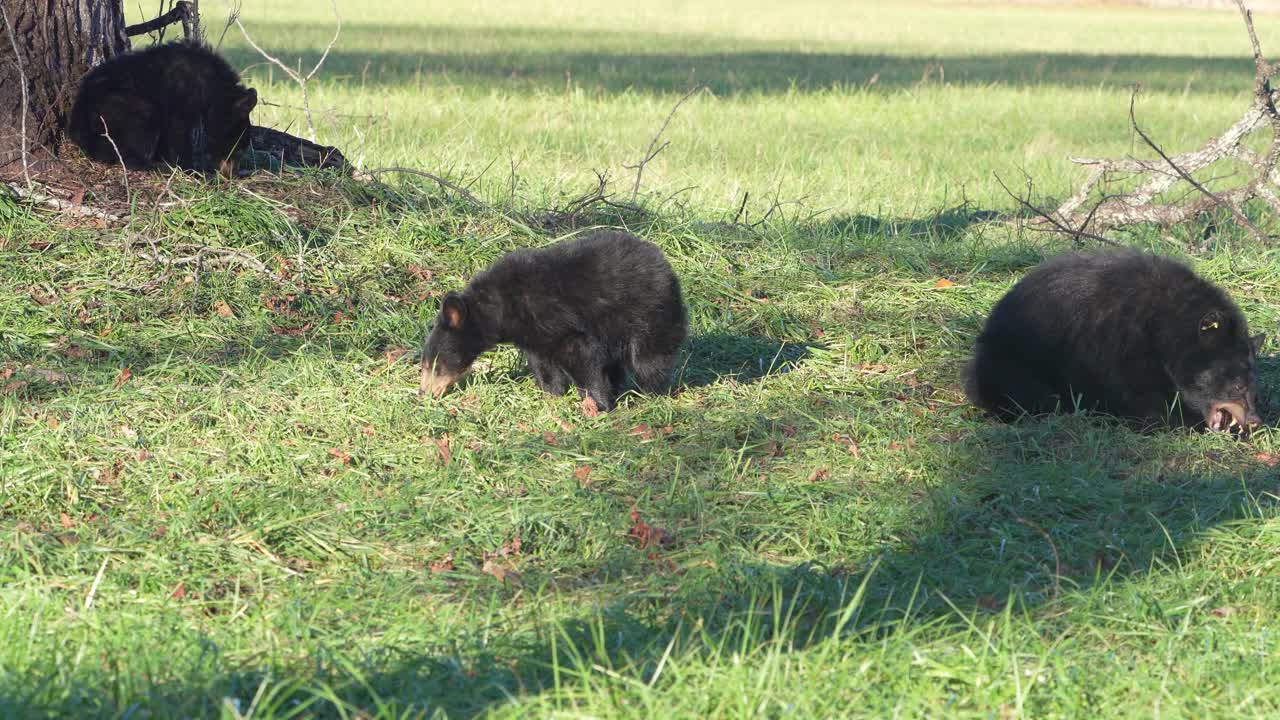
column 542, row 59
column 1031, row 513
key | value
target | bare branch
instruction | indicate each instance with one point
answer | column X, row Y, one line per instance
column 441, row 181
column 652, row 151
column 1237, row 212
column 295, row 75
column 1057, row 222
column 181, row 11
column 22, row 78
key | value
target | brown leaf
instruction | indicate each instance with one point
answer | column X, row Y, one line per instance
column 1269, row 459
column 179, row 592
column 75, row 352
column 511, row 547
column 111, row 475
column 52, row 422
column 444, row 565
column 549, row 438
column 819, row 475
column 123, row 377
column 583, row 474
column 368, row 431
column 421, row 273
column 340, row 456
column 66, row 521
column 84, row 316
column 340, row 317
column 394, row 354
column 104, row 332
column 943, row 283
column 990, row 603
column 646, row 535
column 504, row 573
column 221, row 309
column 291, row 331
column 788, row 430
column 849, row 444
column 589, row 407
column 442, row 447
column 643, row 431
column 42, row 298
column 565, row 426
column 160, row 531
column 1224, row 611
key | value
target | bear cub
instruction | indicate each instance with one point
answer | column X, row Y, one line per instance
column 178, row 104
column 583, row 311
column 1123, row 332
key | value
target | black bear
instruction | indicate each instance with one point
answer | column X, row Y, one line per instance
column 177, row 103
column 1127, row 333
column 583, row 311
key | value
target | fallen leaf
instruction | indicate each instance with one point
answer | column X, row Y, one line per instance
column 443, row 566
column 394, row 354
column 1224, row 611
column 42, row 298
column 179, row 592
column 221, row 309
column 549, row 438
column 291, row 331
column 66, row 521
column 583, row 474
column 564, row 425
column 340, row 317
column 160, row 531
column 643, row 431
column 421, row 273
column 442, row 447
column 75, row 352
column 106, row 331
column 144, row 455
column 788, row 430
column 52, row 422
column 340, row 456
column 819, row 475
column 943, row 283
column 123, row 377
column 647, row 535
column 368, row 431
column 511, row 547
column 1269, row 459
column 849, row 444
column 111, row 475
column 502, row 572
column 589, row 407
column 990, row 603
column 84, row 316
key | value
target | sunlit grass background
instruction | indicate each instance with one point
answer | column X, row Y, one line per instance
column 261, row 519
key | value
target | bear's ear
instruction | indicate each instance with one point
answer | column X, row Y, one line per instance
column 1256, row 342
column 454, row 311
column 1213, row 324
column 246, row 102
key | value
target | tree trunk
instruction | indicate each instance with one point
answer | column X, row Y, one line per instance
column 56, row 43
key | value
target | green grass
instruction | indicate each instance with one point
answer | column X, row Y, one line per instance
column 258, row 518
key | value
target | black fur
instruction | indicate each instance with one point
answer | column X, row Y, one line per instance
column 1127, row 333
column 584, row 311
column 178, row 104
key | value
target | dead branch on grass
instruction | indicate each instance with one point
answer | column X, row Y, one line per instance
column 22, row 78
column 1156, row 177
column 295, row 75
column 64, row 206
column 654, row 148
column 571, row 215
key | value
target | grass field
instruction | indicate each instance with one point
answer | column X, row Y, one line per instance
column 221, row 496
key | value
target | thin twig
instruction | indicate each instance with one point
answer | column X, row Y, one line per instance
column 64, row 206
column 124, row 170
column 1239, row 215
column 652, row 151
column 444, row 183
column 22, row 79
column 295, row 75
column 1057, row 561
column 1061, row 225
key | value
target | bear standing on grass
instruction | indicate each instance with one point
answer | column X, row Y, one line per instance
column 178, row 104
column 1127, row 333
column 583, row 311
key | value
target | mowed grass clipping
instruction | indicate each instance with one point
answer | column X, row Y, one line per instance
column 220, row 495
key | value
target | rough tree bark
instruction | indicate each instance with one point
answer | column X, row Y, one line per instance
column 57, row 41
